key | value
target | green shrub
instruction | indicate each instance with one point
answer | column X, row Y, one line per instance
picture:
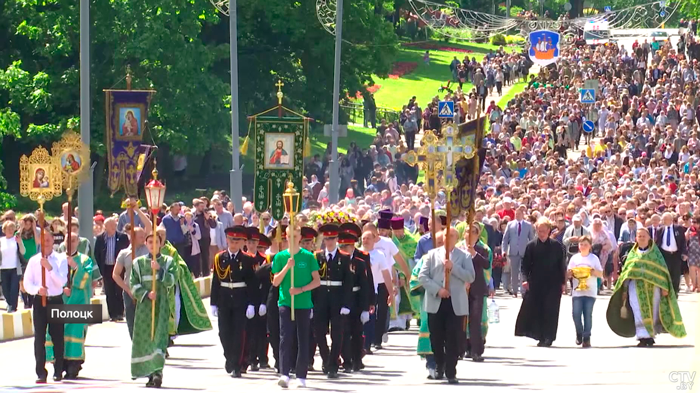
column 514, row 40
column 498, row 40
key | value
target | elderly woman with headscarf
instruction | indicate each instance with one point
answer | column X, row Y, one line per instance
column 644, row 303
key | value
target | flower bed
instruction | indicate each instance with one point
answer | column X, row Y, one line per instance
column 401, row 68
column 372, row 89
column 434, row 46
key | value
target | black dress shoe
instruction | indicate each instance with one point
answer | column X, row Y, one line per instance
column 468, row 354
column 150, row 383
column 477, row 358
column 540, row 344
column 579, row 339
column 347, row 370
column 440, row 375
column 369, row 351
column 58, row 378
column 236, row 374
column 324, row 370
column 254, row 367
column 264, row 366
column 310, row 368
column 357, row 368
column 41, row 380
column 378, row 347
column 332, row 375
column 452, row 381
column 586, row 342
column 157, row 381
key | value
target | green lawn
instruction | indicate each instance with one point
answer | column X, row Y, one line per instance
column 425, row 80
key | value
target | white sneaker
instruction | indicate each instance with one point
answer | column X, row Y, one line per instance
column 283, row 381
column 301, row 382
column 385, row 338
column 432, row 373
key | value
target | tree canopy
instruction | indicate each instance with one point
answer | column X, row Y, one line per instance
column 180, row 48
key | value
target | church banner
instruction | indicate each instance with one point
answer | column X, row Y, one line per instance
column 463, row 196
column 279, row 158
column 127, row 115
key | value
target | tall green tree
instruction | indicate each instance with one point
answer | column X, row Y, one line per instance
column 180, row 48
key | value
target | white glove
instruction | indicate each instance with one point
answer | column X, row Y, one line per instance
column 250, row 312
column 344, row 311
column 311, row 314
column 262, row 310
column 214, row 311
column 364, row 317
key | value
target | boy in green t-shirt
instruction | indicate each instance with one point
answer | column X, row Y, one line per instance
column 306, row 279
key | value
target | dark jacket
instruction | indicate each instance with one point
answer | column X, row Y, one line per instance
column 678, row 233
column 480, row 288
column 121, row 242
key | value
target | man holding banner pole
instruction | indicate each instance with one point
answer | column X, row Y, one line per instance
column 306, row 279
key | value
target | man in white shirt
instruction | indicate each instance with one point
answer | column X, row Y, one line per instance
column 56, row 275
column 381, row 273
column 671, row 240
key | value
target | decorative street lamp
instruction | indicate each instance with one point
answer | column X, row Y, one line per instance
column 291, row 206
column 155, row 195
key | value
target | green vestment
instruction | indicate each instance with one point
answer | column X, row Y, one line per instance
column 193, row 315
column 407, row 248
column 147, row 353
column 81, row 292
column 649, row 271
column 423, row 348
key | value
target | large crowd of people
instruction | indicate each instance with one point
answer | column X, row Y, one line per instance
column 558, row 210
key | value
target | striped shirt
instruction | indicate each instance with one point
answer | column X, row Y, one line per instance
column 111, row 243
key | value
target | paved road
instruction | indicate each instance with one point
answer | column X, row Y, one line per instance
column 196, row 363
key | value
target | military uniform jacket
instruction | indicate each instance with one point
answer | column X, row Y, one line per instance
column 336, row 281
column 233, row 283
column 260, row 296
column 363, row 285
column 269, row 294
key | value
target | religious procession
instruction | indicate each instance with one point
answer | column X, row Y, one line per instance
column 473, row 241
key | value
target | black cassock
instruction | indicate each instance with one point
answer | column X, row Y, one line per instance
column 544, row 268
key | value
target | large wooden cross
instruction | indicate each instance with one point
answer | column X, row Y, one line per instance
column 428, row 159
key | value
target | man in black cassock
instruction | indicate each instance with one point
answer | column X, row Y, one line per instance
column 544, row 276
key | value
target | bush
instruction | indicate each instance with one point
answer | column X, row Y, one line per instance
column 514, row 40
column 498, row 40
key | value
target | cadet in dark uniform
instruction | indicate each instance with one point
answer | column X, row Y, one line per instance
column 273, row 313
column 265, row 280
column 333, row 299
column 233, row 295
column 257, row 327
column 359, row 311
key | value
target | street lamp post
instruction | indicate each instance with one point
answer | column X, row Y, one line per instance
column 155, row 195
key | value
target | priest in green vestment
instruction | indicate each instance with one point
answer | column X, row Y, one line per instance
column 81, row 270
column 406, row 243
column 187, row 312
column 644, row 303
column 148, row 352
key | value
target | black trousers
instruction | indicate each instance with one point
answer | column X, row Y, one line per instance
column 232, row 328
column 273, row 330
column 113, row 293
column 311, row 348
column 674, row 262
column 204, row 257
column 445, row 329
column 323, row 316
column 475, row 343
column 299, row 328
column 256, row 340
column 410, row 140
column 40, row 316
column 382, row 313
column 354, row 341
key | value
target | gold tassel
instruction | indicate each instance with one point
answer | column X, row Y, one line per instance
column 244, row 146
column 307, row 146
